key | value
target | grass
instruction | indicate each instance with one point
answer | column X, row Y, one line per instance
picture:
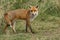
column 46, row 26
column 44, row 30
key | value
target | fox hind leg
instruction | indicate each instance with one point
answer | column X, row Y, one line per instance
column 13, row 27
column 5, row 27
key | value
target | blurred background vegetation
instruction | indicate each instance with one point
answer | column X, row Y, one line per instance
column 46, row 25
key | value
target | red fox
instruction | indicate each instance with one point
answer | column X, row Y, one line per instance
column 27, row 15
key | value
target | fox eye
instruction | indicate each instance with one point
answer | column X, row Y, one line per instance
column 31, row 10
column 34, row 10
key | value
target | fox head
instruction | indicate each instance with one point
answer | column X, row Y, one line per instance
column 33, row 12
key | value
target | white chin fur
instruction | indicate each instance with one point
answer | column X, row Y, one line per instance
column 33, row 17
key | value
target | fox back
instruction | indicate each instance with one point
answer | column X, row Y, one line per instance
column 32, row 13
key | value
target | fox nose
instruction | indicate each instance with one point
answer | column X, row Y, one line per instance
column 32, row 14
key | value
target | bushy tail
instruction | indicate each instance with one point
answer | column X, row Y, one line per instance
column 7, row 18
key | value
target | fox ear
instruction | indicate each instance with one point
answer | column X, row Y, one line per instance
column 30, row 6
column 36, row 6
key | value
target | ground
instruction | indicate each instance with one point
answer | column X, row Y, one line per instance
column 46, row 26
column 44, row 30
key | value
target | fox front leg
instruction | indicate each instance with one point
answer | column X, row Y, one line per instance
column 28, row 25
